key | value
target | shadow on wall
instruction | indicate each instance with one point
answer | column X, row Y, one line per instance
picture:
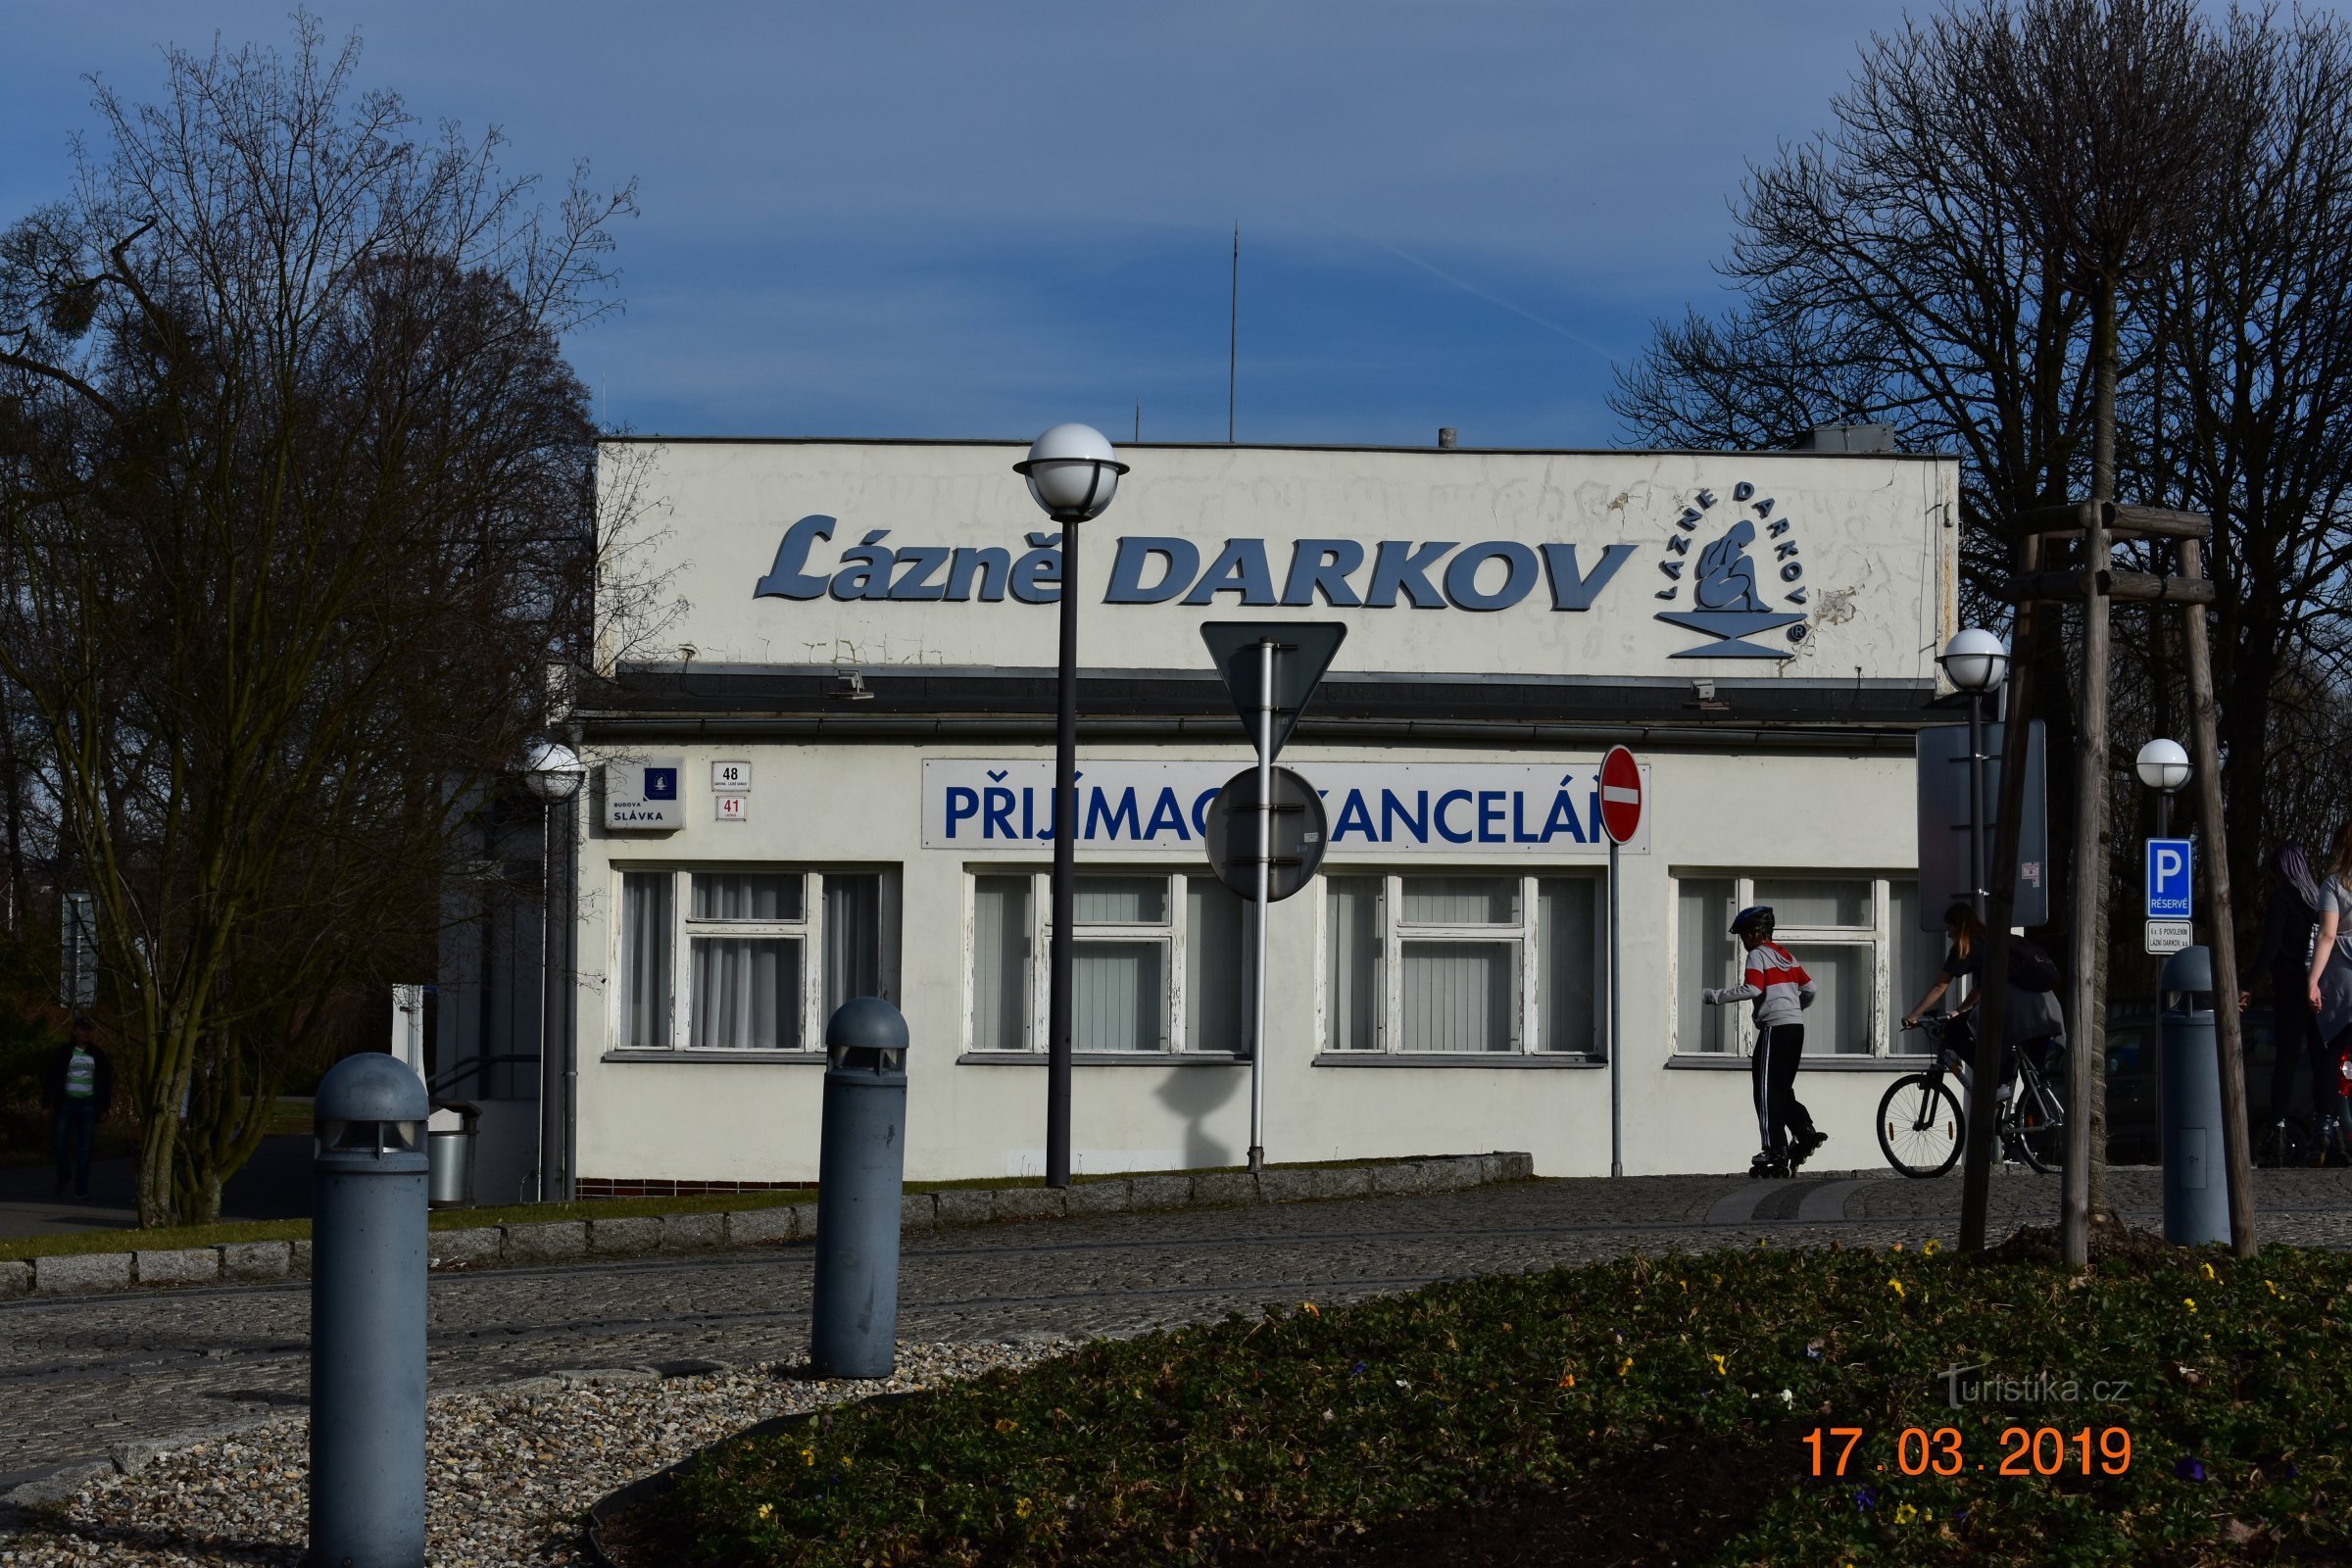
column 1195, row 1093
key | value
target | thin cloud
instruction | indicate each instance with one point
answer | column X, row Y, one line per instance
column 1490, row 296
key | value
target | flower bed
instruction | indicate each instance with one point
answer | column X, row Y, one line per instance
column 1630, row 1412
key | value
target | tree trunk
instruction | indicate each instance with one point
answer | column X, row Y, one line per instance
column 2084, row 1184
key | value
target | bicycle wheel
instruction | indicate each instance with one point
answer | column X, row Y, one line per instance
column 2037, row 1125
column 1920, row 1126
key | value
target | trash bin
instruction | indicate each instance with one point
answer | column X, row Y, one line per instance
column 2196, row 1196
column 449, row 1144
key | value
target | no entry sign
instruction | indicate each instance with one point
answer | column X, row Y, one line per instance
column 1620, row 795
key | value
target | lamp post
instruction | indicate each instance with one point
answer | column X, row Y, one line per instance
column 552, row 772
column 1072, row 474
column 2163, row 767
column 1977, row 661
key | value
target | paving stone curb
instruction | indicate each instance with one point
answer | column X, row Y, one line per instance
column 563, row 1241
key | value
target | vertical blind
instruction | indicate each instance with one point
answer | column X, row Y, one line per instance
column 1216, row 975
column 1571, row 944
column 1352, row 904
column 1706, row 956
column 1118, row 996
column 1000, row 963
column 1457, row 995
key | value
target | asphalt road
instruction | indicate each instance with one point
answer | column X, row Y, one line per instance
column 78, row 1375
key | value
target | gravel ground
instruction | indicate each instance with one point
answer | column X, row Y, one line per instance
column 512, row 1471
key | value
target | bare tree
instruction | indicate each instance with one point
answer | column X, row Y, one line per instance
column 296, row 511
column 2012, row 196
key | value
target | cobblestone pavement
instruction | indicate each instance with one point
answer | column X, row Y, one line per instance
column 78, row 1376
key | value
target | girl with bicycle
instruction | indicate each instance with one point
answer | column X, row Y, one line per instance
column 2031, row 1011
column 1920, row 1118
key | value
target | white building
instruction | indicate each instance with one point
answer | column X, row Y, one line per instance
column 830, row 775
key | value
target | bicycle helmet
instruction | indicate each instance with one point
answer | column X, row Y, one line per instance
column 1757, row 917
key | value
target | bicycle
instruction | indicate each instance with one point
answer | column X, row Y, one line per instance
column 1922, row 1124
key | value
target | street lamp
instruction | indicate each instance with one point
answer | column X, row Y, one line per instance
column 1073, row 474
column 1976, row 662
column 2163, row 767
column 552, row 772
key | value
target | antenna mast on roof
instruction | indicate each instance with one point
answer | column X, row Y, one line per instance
column 1233, row 341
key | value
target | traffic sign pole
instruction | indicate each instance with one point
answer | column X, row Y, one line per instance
column 1621, row 807
column 1616, row 1021
column 1265, row 874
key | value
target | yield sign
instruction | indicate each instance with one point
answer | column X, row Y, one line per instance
column 1620, row 795
column 1303, row 651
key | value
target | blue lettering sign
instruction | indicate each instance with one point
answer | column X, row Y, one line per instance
column 1240, row 569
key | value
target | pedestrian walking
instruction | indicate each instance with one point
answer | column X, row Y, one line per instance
column 2290, row 923
column 1780, row 990
column 2328, row 983
column 78, row 1087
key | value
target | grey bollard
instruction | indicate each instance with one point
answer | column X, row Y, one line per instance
column 2196, row 1194
column 860, row 1176
column 367, row 1267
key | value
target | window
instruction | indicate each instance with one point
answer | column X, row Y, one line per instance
column 1852, row 933
column 1468, row 964
column 1155, row 960
column 760, row 958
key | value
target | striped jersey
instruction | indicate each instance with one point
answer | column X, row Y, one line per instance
column 1776, row 982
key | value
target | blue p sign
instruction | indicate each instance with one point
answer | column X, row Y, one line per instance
column 2169, row 866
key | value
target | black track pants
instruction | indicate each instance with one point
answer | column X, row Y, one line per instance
column 1772, row 1073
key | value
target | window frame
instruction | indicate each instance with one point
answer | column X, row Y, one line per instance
column 1173, row 934
column 1526, row 934
column 808, row 930
column 1879, row 938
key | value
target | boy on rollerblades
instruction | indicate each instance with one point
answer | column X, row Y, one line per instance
column 1781, row 991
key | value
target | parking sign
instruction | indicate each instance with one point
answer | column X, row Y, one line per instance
column 2169, row 867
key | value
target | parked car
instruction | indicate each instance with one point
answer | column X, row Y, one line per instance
column 2134, row 1125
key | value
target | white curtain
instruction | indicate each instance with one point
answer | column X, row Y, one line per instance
column 645, row 959
column 746, row 992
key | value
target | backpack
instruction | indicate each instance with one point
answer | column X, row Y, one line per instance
column 2031, row 969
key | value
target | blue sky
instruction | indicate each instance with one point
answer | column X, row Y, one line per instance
column 957, row 219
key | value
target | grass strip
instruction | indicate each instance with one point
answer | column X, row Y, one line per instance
column 123, row 1238
column 1636, row 1410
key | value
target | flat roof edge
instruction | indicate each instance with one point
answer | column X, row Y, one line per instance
column 1021, row 445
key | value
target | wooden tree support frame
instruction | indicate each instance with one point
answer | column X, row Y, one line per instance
column 2094, row 583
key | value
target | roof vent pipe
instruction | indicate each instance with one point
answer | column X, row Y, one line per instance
column 1445, row 438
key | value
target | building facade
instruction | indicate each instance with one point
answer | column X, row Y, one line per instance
column 826, row 771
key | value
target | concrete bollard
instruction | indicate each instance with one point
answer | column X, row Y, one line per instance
column 2197, row 1193
column 861, row 1175
column 367, row 1272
